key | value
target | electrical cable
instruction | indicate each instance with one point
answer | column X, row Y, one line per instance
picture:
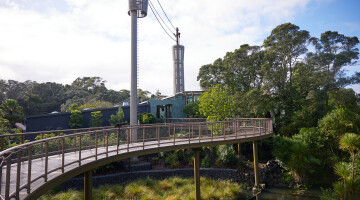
column 160, row 23
column 160, row 16
column 166, row 14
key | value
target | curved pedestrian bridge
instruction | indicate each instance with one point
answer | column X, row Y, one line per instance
column 30, row 169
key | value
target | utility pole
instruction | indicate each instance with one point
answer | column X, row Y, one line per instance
column 137, row 9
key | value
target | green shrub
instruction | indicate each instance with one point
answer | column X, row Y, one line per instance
column 206, row 162
column 172, row 160
column 118, row 118
column 95, row 119
column 146, row 118
column 227, row 155
column 76, row 119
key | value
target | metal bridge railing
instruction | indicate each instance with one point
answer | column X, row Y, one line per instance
column 29, row 165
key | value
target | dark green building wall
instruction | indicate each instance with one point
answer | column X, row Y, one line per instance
column 177, row 103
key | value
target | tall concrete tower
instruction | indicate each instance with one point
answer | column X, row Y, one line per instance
column 178, row 58
column 137, row 9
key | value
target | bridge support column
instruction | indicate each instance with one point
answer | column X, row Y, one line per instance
column 239, row 149
column 197, row 173
column 256, row 167
column 88, row 185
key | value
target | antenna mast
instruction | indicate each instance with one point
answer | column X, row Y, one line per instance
column 178, row 58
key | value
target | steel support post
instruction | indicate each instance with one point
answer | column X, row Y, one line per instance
column 256, row 166
column 133, row 89
column 88, row 185
column 239, row 149
column 197, row 173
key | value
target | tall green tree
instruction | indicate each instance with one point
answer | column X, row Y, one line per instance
column 96, row 119
column 333, row 52
column 217, row 103
column 76, row 119
column 118, row 118
column 11, row 111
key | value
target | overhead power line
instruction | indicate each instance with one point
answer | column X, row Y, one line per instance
column 161, row 17
column 166, row 15
column 151, row 7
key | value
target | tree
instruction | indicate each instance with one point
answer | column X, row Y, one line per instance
column 350, row 142
column 11, row 111
column 4, row 124
column 192, row 110
column 344, row 98
column 285, row 44
column 283, row 48
column 143, row 95
column 211, row 74
column 76, row 119
column 118, row 118
column 333, row 52
column 338, row 122
column 217, row 103
column 96, row 119
column 95, row 104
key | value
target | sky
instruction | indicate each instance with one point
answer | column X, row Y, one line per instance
column 60, row 40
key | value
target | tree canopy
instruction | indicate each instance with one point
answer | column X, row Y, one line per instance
column 86, row 92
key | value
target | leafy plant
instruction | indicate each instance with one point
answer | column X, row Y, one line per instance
column 146, row 118
column 172, row 160
column 96, row 119
column 76, row 119
column 11, row 111
column 227, row 155
column 118, row 118
column 206, row 162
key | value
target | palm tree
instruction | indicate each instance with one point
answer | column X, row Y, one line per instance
column 350, row 142
column 342, row 170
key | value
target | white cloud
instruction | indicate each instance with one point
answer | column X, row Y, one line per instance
column 92, row 38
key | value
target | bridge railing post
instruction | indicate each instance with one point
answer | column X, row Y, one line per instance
column 96, row 144
column 79, row 150
column 107, row 143
column 18, row 168
column 7, row 181
column 128, row 139
column 29, row 169
column 62, row 156
column 46, row 160
column 189, row 133
column 235, row 128
column 212, row 131
column 174, row 134
column 199, row 131
column 117, row 141
column 143, row 138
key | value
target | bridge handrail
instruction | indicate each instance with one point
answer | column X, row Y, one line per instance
column 23, row 136
column 96, row 139
column 108, row 128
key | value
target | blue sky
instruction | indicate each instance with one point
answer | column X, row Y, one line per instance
column 60, row 40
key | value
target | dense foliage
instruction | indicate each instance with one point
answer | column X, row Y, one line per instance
column 11, row 111
column 96, row 119
column 300, row 82
column 146, row 118
column 76, row 119
column 87, row 92
column 118, row 118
